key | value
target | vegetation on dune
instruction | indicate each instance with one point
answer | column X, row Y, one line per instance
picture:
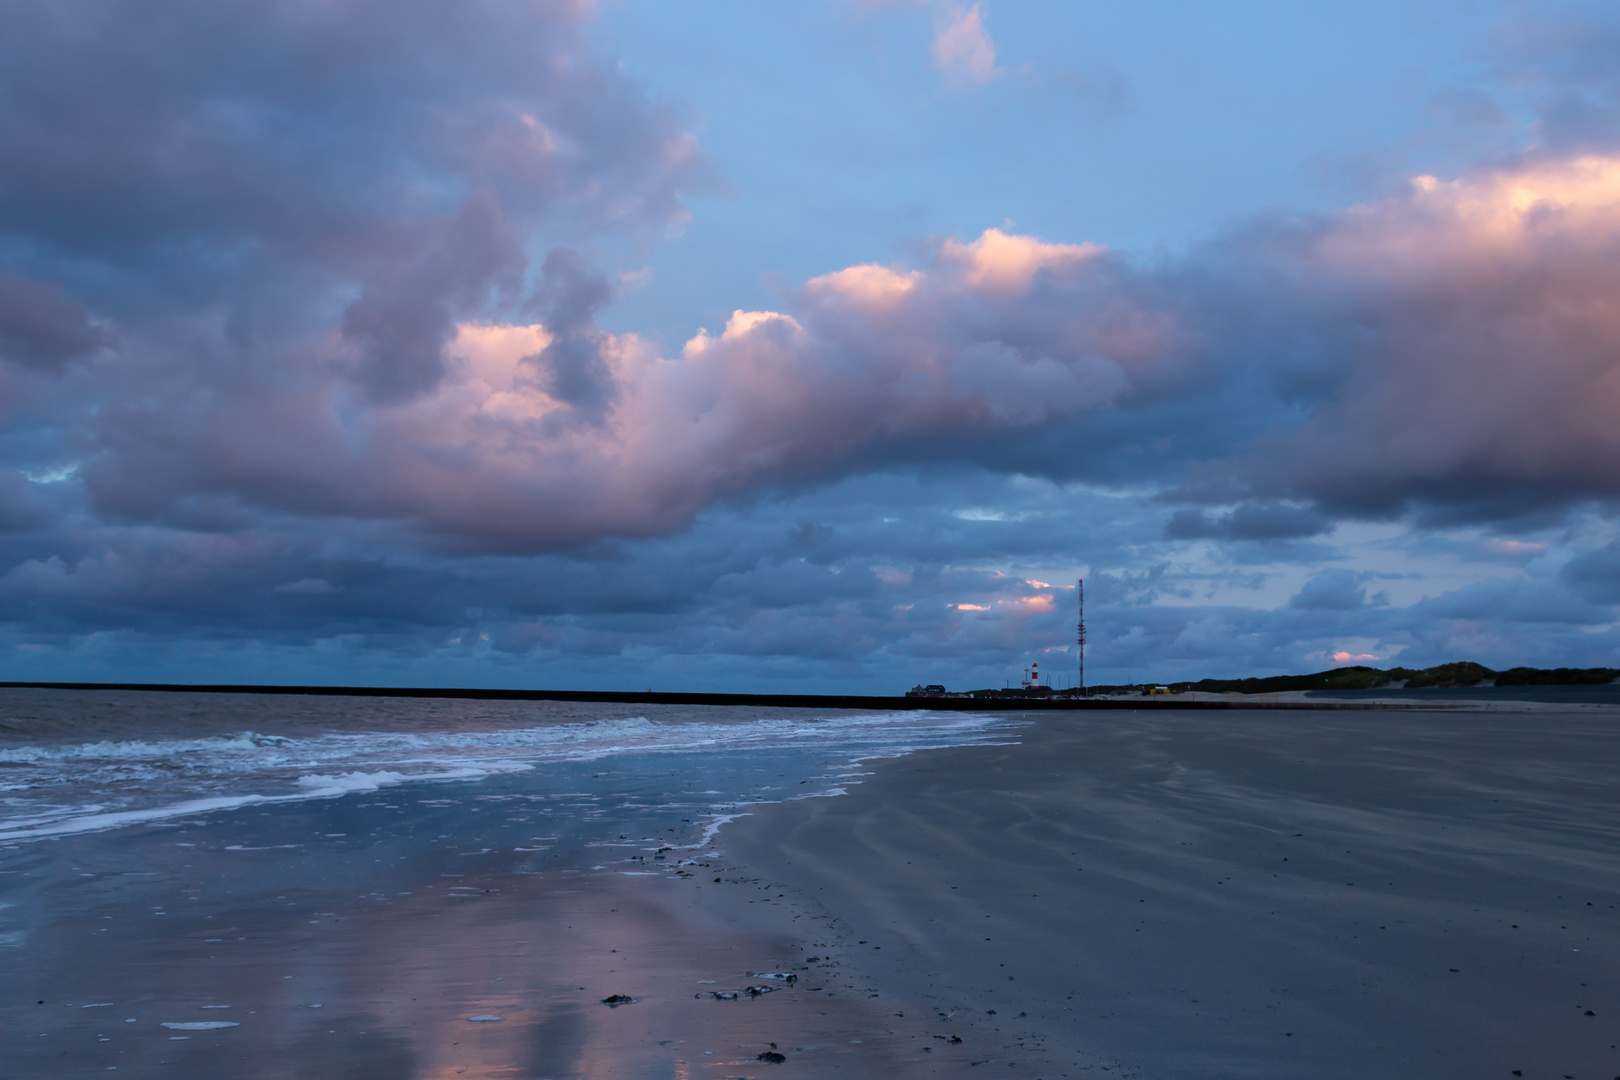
column 1463, row 673
column 1564, row 676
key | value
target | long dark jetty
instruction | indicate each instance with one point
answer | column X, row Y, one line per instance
column 781, row 701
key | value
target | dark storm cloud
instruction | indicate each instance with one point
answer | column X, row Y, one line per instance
column 406, row 314
column 41, row 328
column 22, row 508
column 1595, row 574
column 1508, row 605
column 1334, row 590
column 887, row 586
column 574, row 371
column 1248, row 521
column 284, row 169
column 199, row 139
column 282, row 211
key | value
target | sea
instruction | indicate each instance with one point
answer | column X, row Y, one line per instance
column 82, row 761
column 200, row 884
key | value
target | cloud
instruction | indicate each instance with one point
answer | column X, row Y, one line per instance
column 574, row 370
column 1333, row 590
column 264, row 166
column 1595, row 574
column 962, row 45
column 1249, row 521
column 1564, row 64
column 1504, row 606
column 42, row 328
column 751, row 596
column 406, row 313
column 1462, row 353
column 301, row 322
column 306, row 587
column 1449, row 352
column 309, row 335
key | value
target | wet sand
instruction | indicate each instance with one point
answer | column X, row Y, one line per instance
column 362, row 936
column 394, row 995
column 1243, row 895
column 1141, row 894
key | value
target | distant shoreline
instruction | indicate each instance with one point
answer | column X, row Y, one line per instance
column 785, row 701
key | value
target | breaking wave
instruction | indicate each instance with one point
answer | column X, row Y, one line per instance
column 54, row 790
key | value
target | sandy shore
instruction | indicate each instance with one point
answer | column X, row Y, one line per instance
column 422, row 932
column 1248, row 895
column 1143, row 894
column 508, row 983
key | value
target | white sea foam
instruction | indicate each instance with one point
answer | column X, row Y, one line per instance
column 139, row 750
column 353, row 781
column 64, row 789
column 312, row 787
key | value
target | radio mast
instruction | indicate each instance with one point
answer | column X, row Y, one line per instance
column 1080, row 636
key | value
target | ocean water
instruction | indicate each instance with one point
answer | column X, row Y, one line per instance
column 356, row 878
column 74, row 762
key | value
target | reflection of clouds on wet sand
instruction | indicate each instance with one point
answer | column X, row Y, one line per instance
column 335, row 984
column 544, row 959
column 356, row 1050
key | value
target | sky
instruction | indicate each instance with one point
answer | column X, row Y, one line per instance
column 811, row 347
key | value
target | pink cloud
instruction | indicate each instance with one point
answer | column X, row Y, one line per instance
column 1453, row 344
column 997, row 262
column 1485, row 337
column 962, row 45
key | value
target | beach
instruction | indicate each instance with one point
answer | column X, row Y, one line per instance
column 1253, row 894
column 195, row 885
column 1164, row 894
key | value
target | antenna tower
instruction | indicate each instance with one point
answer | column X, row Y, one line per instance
column 1080, row 636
